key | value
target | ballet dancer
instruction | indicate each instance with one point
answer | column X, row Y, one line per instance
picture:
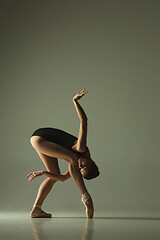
column 52, row 144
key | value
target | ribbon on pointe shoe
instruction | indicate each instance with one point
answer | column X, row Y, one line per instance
column 36, row 205
column 89, row 211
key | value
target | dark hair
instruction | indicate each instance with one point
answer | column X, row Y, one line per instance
column 93, row 172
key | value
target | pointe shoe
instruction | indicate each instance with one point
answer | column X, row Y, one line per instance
column 38, row 213
column 89, row 210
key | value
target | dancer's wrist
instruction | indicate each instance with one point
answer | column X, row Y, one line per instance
column 43, row 172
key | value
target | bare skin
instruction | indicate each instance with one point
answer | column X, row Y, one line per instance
column 50, row 152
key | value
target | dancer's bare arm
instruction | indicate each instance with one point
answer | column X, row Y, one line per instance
column 81, row 143
column 60, row 177
column 53, row 176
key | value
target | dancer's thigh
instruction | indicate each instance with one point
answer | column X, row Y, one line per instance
column 51, row 149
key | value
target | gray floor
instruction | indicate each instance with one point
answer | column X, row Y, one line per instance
column 61, row 226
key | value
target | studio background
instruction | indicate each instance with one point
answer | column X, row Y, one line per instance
column 50, row 50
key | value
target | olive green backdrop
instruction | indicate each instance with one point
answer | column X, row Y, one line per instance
column 50, row 50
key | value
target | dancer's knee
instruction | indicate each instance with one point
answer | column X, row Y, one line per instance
column 35, row 141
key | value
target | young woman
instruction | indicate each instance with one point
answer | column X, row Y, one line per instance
column 51, row 144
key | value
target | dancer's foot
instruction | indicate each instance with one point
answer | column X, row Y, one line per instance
column 88, row 203
column 37, row 212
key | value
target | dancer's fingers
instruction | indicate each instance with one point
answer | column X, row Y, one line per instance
column 29, row 174
column 83, row 90
column 31, row 178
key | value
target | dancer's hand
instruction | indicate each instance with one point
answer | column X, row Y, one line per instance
column 80, row 94
column 34, row 174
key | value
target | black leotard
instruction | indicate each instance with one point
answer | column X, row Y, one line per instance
column 58, row 136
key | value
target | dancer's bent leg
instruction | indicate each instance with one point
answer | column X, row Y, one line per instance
column 51, row 164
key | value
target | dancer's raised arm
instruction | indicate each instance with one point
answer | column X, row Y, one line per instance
column 81, row 143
